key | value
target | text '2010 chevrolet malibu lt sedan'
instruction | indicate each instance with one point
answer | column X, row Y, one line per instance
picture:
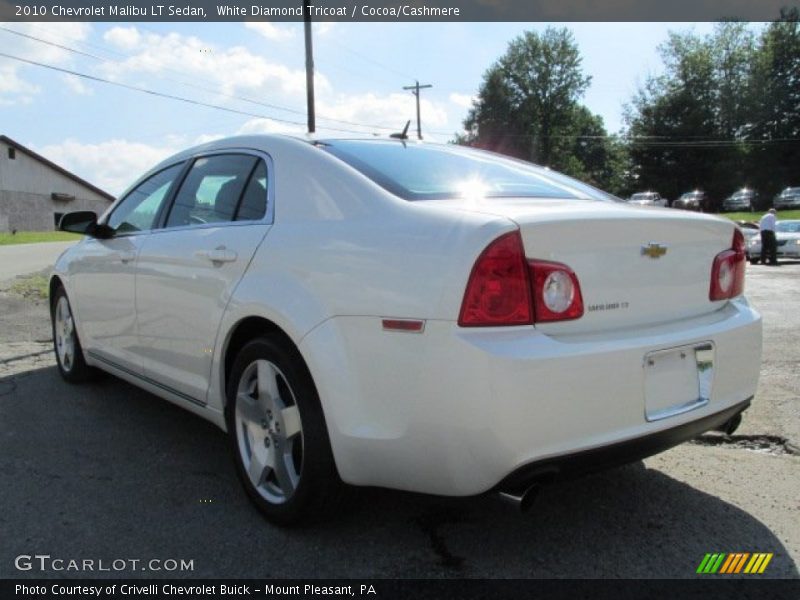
column 408, row 315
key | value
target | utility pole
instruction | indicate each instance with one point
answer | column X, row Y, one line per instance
column 415, row 90
column 312, row 126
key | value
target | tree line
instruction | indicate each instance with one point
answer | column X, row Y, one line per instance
column 724, row 114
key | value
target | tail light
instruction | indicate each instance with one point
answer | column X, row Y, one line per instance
column 498, row 291
column 505, row 289
column 727, row 272
column 556, row 292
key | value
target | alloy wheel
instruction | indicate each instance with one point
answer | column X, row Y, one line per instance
column 64, row 331
column 269, row 431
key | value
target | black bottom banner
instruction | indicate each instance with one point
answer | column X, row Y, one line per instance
column 389, row 589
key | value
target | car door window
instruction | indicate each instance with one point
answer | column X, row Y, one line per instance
column 140, row 208
column 254, row 201
column 211, row 191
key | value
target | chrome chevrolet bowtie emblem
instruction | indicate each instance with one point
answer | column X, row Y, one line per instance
column 654, row 250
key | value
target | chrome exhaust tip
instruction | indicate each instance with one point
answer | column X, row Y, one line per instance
column 522, row 502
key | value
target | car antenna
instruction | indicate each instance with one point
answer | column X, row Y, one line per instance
column 402, row 135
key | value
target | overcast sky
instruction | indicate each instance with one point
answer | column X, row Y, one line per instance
column 109, row 134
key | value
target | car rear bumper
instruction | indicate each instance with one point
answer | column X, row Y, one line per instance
column 456, row 411
column 619, row 453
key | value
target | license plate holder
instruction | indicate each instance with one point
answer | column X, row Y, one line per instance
column 678, row 380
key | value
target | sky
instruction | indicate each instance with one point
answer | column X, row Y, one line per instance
column 109, row 134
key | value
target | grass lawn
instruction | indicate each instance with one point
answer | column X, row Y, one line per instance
column 34, row 287
column 755, row 216
column 32, row 237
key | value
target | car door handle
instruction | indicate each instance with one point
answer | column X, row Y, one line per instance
column 126, row 257
column 218, row 255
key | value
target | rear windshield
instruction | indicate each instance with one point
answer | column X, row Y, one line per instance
column 431, row 172
column 642, row 196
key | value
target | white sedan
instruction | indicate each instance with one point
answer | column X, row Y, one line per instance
column 408, row 315
column 787, row 242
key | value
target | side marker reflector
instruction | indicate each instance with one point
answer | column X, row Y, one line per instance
column 405, row 325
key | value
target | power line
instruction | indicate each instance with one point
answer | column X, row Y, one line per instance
column 650, row 140
column 163, row 95
column 369, row 60
column 205, row 89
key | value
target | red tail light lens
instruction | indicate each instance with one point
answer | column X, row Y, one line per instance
column 556, row 292
column 727, row 272
column 505, row 289
column 498, row 291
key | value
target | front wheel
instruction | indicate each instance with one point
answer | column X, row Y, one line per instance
column 278, row 434
column 754, row 261
column 67, row 346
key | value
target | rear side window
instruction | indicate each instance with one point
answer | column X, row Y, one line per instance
column 211, row 191
column 429, row 172
column 254, row 201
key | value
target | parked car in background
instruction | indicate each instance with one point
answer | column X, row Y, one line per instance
column 647, row 199
column 745, row 199
column 788, row 198
column 787, row 238
column 749, row 230
column 696, row 200
column 423, row 317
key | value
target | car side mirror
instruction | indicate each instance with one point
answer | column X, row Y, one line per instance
column 85, row 222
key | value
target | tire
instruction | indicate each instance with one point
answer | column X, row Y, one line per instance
column 278, row 435
column 754, row 261
column 66, row 345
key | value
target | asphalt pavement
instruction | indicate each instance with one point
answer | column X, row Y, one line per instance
column 20, row 259
column 107, row 471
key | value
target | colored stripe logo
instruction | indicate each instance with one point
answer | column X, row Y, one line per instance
column 734, row 563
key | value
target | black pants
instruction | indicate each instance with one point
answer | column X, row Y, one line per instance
column 768, row 247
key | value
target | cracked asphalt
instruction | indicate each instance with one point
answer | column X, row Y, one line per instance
column 107, row 471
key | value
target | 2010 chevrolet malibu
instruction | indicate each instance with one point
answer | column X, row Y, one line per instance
column 409, row 315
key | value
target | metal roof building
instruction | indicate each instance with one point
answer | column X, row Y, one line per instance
column 35, row 192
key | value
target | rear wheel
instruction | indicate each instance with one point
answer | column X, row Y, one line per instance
column 67, row 346
column 278, row 435
column 754, row 261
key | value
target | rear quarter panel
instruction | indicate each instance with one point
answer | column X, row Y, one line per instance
column 342, row 246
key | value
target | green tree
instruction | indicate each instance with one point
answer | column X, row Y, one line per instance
column 775, row 134
column 673, row 123
column 528, row 100
column 724, row 114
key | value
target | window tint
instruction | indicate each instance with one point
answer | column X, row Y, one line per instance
column 211, row 190
column 423, row 172
column 254, row 201
column 139, row 209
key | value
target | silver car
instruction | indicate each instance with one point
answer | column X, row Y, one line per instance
column 788, row 198
column 744, row 199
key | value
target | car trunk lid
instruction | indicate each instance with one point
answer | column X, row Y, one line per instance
column 636, row 266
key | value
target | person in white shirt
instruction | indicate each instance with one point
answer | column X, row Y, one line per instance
column 768, row 243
